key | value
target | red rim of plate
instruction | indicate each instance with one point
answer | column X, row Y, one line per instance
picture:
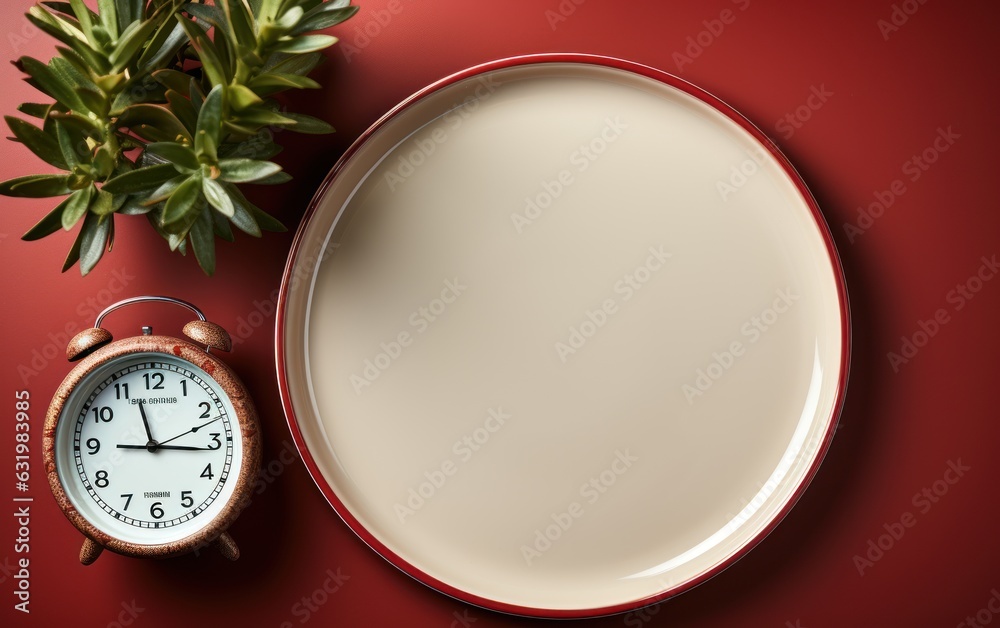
column 627, row 66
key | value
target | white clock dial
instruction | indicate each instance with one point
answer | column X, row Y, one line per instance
column 149, row 448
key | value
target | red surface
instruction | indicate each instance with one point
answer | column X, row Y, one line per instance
column 899, row 429
column 293, row 268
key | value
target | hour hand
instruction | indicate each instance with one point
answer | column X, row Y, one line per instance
column 145, row 421
column 156, row 446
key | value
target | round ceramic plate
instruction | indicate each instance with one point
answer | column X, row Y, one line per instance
column 562, row 336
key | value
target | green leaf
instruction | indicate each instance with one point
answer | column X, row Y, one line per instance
column 184, row 110
column 261, row 218
column 241, row 97
column 277, row 81
column 154, row 122
column 240, row 20
column 217, row 197
column 293, row 64
column 275, row 179
column 129, row 44
column 141, row 88
column 246, row 170
column 36, row 186
column 103, row 203
column 46, row 80
column 93, row 240
column 38, row 141
column 308, row 124
column 324, row 16
column 165, row 43
column 305, row 43
column 243, row 219
column 207, row 13
column 76, row 207
column 220, row 225
column 67, row 146
column 74, row 253
column 182, row 200
column 181, row 156
column 207, row 52
column 141, row 179
column 260, row 116
column 93, row 100
column 173, row 79
column 35, row 110
column 66, row 32
column 83, row 14
column 128, row 12
column 81, row 124
column 202, row 238
column 206, row 140
column 109, row 16
column 70, row 75
column 133, row 207
column 47, row 225
column 163, row 192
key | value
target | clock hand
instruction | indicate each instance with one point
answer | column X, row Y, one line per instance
column 177, row 447
column 145, row 421
column 192, row 430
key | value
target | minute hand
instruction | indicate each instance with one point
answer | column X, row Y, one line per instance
column 192, row 430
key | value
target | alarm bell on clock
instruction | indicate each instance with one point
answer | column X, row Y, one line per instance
column 151, row 443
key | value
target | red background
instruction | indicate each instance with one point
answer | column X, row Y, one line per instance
column 900, row 429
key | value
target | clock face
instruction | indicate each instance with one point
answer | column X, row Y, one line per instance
column 148, row 448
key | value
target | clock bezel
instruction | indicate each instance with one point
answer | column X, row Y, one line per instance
column 245, row 416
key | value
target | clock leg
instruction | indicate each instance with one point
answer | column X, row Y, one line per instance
column 227, row 546
column 90, row 551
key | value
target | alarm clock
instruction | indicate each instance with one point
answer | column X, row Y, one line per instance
column 151, row 444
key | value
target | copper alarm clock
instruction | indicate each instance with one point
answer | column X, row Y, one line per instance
column 151, row 443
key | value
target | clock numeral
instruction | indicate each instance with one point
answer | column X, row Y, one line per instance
column 156, row 378
column 103, row 414
column 207, row 473
column 184, row 388
column 155, row 511
column 94, row 445
column 215, row 441
column 128, row 499
column 207, row 406
column 186, row 500
column 121, row 390
column 101, row 479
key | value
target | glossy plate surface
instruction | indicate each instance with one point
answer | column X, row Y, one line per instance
column 562, row 335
